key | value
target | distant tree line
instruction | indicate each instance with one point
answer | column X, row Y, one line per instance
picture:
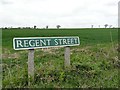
column 34, row 27
column 57, row 26
column 106, row 26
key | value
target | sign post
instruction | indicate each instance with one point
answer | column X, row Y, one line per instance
column 31, row 43
column 30, row 66
column 67, row 57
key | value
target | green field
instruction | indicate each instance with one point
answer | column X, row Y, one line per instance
column 87, row 36
column 93, row 64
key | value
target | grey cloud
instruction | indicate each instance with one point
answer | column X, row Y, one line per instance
column 5, row 2
column 111, row 4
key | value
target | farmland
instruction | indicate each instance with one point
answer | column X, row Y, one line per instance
column 93, row 64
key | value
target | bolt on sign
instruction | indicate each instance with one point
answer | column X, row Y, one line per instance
column 44, row 42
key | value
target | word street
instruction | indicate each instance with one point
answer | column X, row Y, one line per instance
column 43, row 42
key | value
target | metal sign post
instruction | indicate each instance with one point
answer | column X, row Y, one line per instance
column 31, row 43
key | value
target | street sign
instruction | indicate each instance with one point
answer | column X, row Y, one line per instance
column 32, row 43
column 44, row 42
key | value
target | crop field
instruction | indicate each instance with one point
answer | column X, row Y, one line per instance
column 94, row 63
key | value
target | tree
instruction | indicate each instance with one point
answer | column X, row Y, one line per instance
column 35, row 27
column 47, row 27
column 58, row 26
column 6, row 28
column 106, row 25
column 92, row 26
column 110, row 26
column 99, row 26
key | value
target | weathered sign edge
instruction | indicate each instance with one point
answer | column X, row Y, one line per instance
column 44, row 37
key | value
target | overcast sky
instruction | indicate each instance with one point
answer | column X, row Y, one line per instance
column 67, row 13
